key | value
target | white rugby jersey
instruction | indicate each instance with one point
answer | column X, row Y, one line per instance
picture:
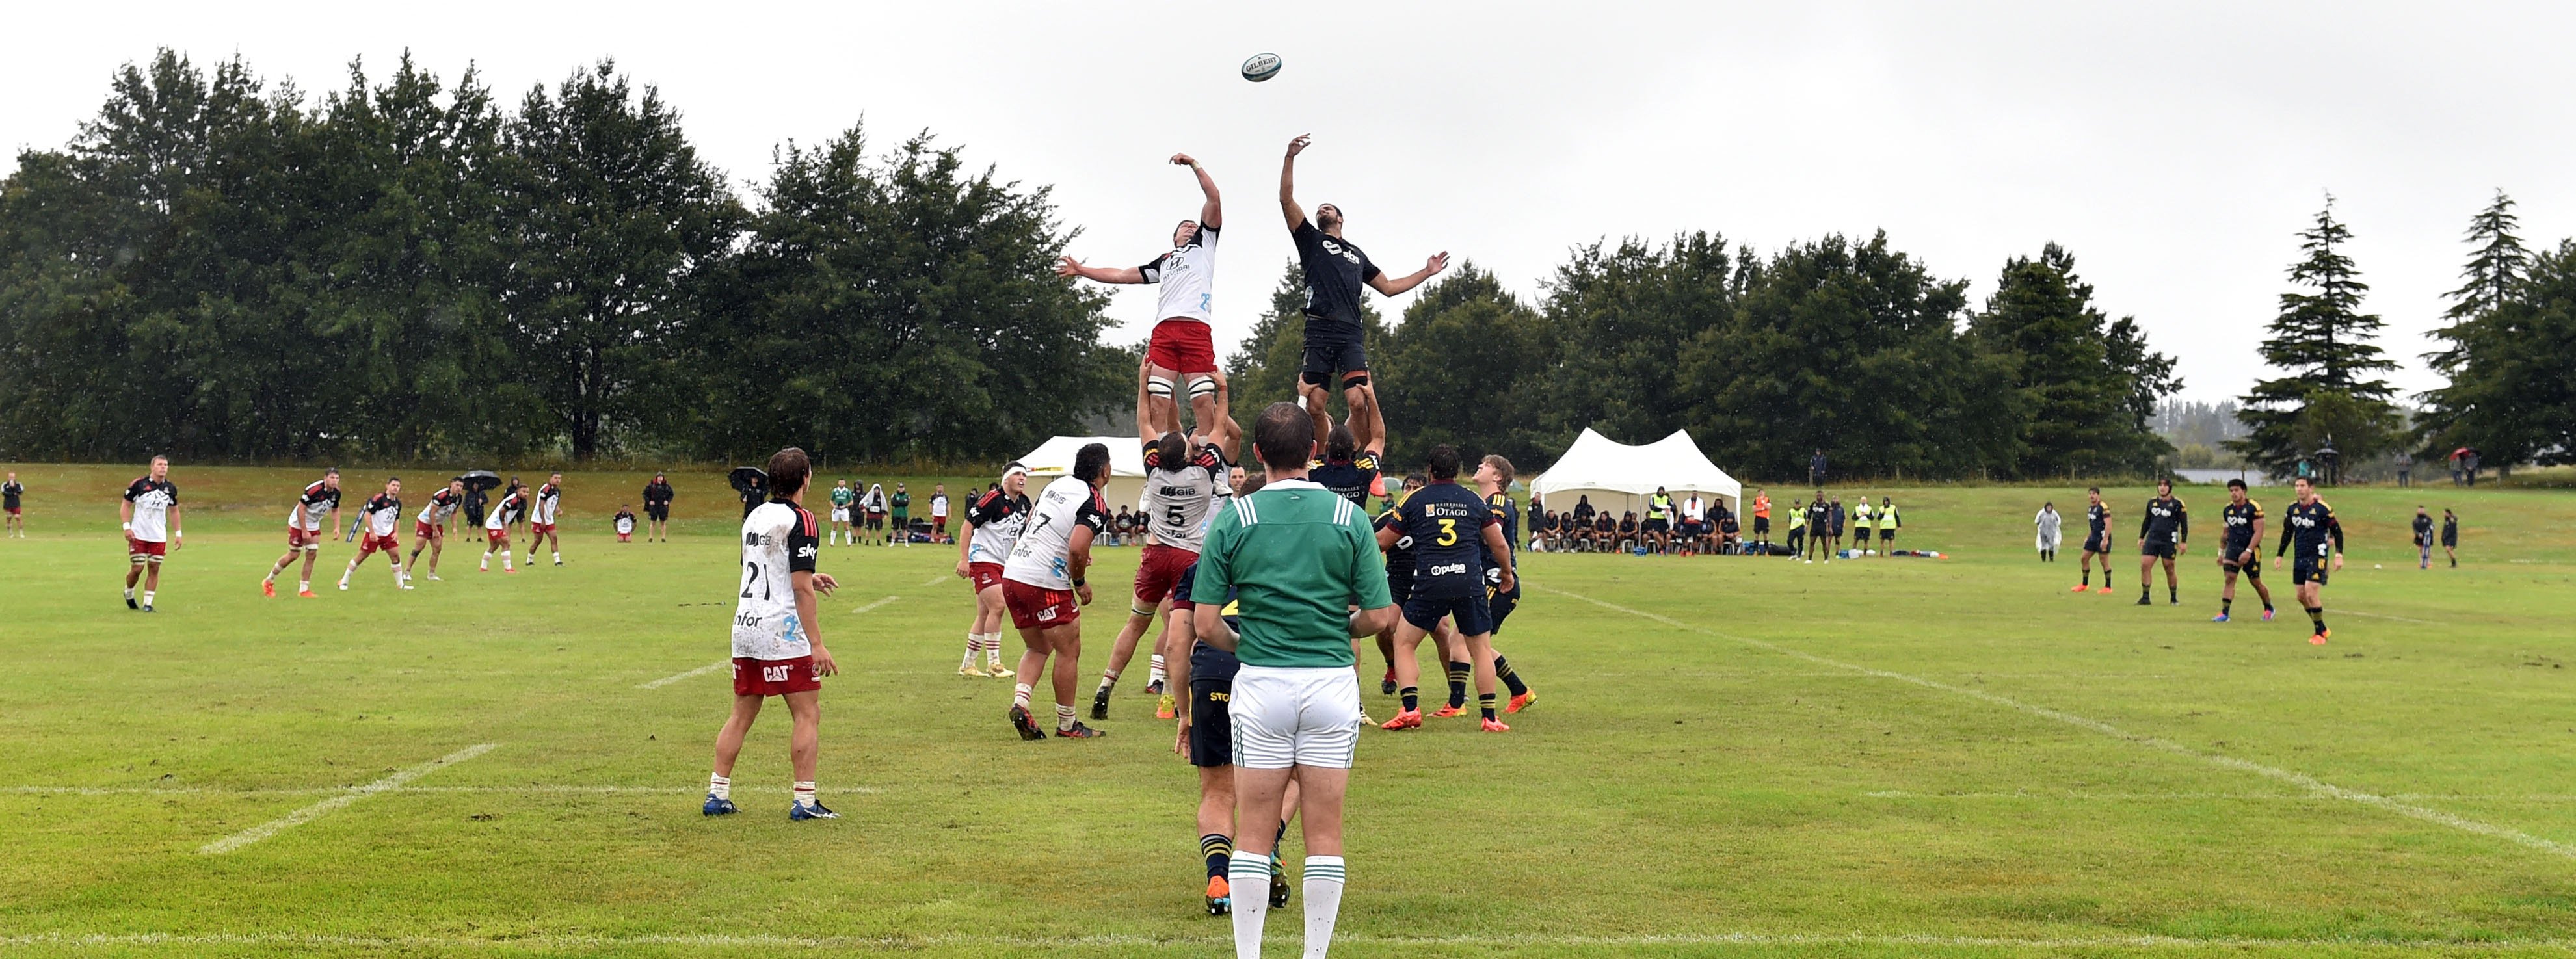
column 1177, row 501
column 381, row 512
column 939, row 505
column 442, row 504
column 1041, row 556
column 152, row 500
column 497, row 516
column 778, row 538
column 309, row 508
column 998, row 518
column 1187, row 275
column 549, row 502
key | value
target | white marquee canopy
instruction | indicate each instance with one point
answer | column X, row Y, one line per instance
column 1054, row 458
column 1618, row 477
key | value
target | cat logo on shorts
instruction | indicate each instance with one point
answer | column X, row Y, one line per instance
column 776, row 674
column 1046, row 614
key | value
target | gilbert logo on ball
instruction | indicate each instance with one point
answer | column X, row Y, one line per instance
column 1261, row 67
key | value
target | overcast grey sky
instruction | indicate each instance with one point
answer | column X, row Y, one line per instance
column 2174, row 147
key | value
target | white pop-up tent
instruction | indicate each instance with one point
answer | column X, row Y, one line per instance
column 1054, row 458
column 1618, row 477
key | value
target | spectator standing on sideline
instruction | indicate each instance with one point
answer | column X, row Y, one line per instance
column 1816, row 469
column 657, row 508
column 10, row 491
column 2469, row 467
column 475, row 502
column 2405, row 468
column 2050, row 525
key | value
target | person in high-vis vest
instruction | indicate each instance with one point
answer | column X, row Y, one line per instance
column 1658, row 529
column 1888, row 524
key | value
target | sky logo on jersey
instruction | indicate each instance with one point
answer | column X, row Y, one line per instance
column 805, row 552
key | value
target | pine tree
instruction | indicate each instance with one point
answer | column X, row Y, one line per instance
column 2485, row 332
column 2331, row 397
column 2085, row 383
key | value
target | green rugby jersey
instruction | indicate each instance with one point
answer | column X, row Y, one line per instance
column 1297, row 557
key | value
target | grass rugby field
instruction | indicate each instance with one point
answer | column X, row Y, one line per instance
column 1730, row 756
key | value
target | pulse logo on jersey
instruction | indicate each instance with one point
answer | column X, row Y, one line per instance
column 1446, row 569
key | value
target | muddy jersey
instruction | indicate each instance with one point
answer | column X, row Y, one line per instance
column 1042, row 557
column 779, row 539
column 1178, row 496
column 310, row 507
column 998, row 518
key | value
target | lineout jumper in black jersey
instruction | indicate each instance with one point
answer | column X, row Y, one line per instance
column 2167, row 522
column 1336, row 273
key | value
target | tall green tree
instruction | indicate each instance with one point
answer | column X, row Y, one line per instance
column 900, row 309
column 2488, row 336
column 2322, row 341
column 2086, row 385
column 1854, row 349
column 2512, row 369
column 1464, row 367
column 1622, row 318
column 612, row 219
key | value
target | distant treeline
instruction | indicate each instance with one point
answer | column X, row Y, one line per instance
column 405, row 269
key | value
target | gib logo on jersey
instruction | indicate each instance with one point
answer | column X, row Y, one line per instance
column 755, row 539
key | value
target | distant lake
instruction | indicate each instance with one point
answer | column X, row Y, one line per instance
column 2252, row 477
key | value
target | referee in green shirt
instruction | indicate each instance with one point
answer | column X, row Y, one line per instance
column 1298, row 559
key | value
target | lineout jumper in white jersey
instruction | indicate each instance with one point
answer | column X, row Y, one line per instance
column 1187, row 276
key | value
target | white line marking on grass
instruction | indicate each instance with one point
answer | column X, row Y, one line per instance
column 691, row 674
column 876, row 604
column 355, row 793
column 936, row 580
column 2053, row 795
column 2299, row 779
column 2402, row 619
column 721, row 941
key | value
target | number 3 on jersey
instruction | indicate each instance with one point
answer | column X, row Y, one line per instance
column 1448, row 532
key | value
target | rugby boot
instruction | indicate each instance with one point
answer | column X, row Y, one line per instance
column 1028, row 727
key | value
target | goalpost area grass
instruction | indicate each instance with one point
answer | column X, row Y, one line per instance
column 1730, row 756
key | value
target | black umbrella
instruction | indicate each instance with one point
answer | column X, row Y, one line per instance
column 480, row 479
column 748, row 478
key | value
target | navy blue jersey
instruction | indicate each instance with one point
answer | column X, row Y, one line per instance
column 1447, row 522
column 1350, row 479
column 1399, row 557
column 1507, row 513
column 2309, row 526
column 1208, row 663
column 2098, row 517
column 2240, row 519
column 2167, row 521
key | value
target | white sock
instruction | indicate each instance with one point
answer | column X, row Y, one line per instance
column 720, row 787
column 974, row 644
column 805, row 797
column 1323, row 880
column 129, row 592
column 505, row 559
column 1063, row 718
column 1156, row 675
column 993, row 648
column 304, row 586
column 1108, row 679
column 1020, row 695
column 558, row 557
column 1248, row 875
column 147, row 597
column 487, row 561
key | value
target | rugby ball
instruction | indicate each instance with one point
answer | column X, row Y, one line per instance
column 1261, row 67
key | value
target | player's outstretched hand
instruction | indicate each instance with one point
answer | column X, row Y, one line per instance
column 1084, row 591
column 1298, row 145
column 1068, row 266
column 1183, row 159
column 823, row 664
column 1438, row 262
column 824, row 584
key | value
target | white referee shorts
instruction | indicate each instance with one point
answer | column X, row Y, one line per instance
column 840, row 515
column 1295, row 717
